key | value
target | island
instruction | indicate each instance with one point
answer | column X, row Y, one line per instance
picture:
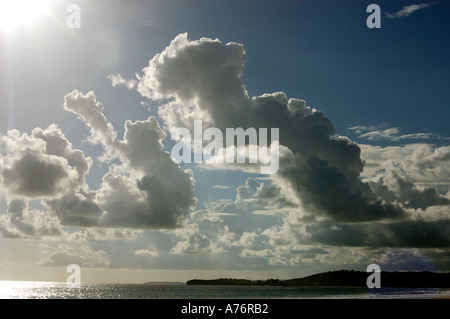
column 343, row 278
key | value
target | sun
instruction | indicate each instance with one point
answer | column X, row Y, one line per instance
column 15, row 13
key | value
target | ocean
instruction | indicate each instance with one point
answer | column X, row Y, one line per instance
column 61, row 290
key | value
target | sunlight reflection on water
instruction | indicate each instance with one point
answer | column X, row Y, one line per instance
column 61, row 290
column 25, row 289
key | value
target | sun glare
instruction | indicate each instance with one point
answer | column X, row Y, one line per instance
column 14, row 13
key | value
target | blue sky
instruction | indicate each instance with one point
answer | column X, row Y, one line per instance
column 372, row 163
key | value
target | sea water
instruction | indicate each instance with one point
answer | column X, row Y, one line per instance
column 59, row 290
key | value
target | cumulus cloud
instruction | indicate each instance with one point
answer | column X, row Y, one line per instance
column 32, row 169
column 202, row 80
column 251, row 253
column 143, row 189
column 205, row 70
column 328, row 193
column 247, row 239
column 257, row 195
column 118, row 80
column 85, row 258
column 148, row 189
column 394, row 188
column 326, row 185
column 21, row 222
column 255, row 207
column 328, row 189
column 76, row 209
column 424, row 165
column 76, row 205
column 44, row 166
column 193, row 241
column 90, row 112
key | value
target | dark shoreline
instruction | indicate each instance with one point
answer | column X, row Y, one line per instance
column 343, row 278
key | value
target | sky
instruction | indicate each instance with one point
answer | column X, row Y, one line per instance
column 93, row 93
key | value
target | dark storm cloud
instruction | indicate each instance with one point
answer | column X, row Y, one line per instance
column 417, row 234
column 34, row 175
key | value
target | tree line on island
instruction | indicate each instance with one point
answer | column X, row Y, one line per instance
column 343, row 278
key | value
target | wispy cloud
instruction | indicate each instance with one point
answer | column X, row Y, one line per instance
column 146, row 253
column 408, row 10
column 221, row 187
column 118, row 80
column 380, row 132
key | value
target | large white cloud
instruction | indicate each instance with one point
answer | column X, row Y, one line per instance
column 329, row 193
column 202, row 80
column 32, row 169
column 424, row 164
column 147, row 189
column 44, row 166
column 326, row 184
